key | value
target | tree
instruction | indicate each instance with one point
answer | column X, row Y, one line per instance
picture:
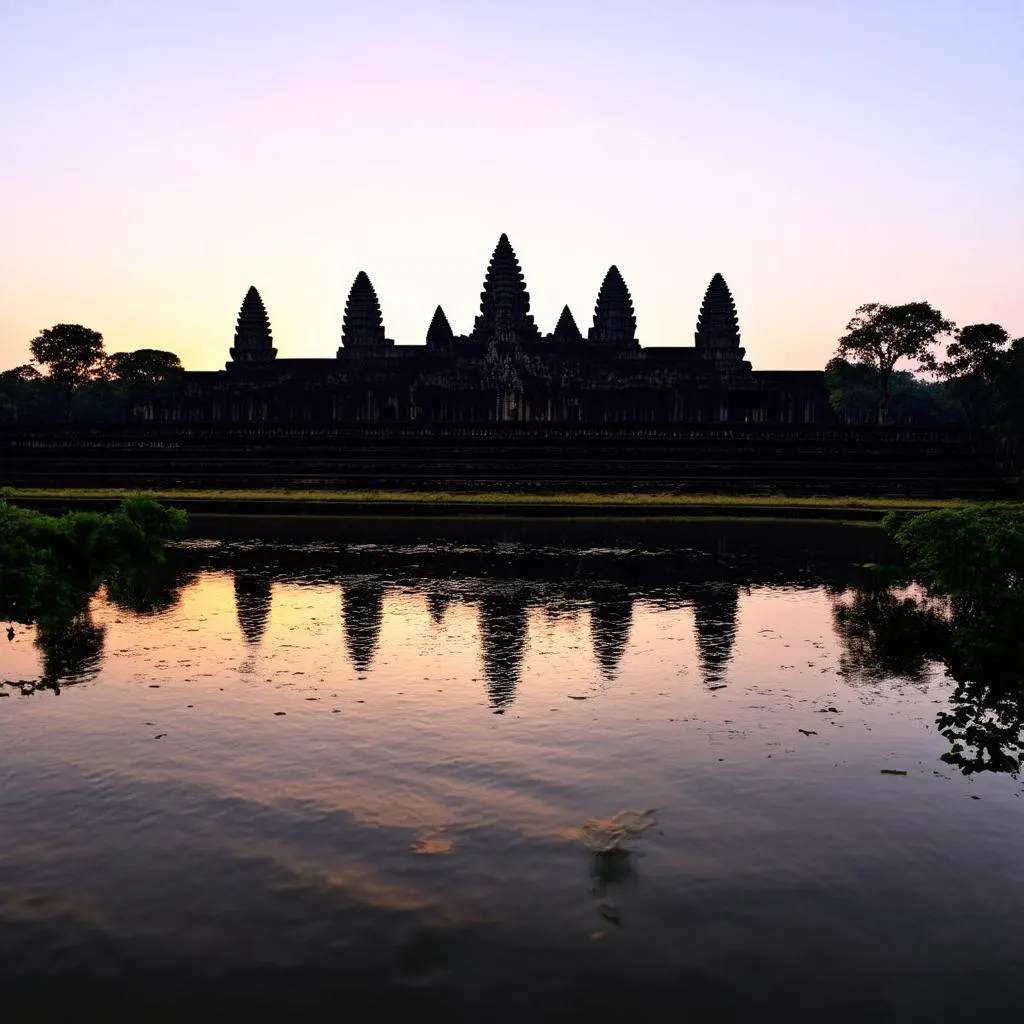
column 73, row 356
column 852, row 390
column 879, row 336
column 853, row 393
column 26, row 395
column 973, row 363
column 975, row 352
column 143, row 369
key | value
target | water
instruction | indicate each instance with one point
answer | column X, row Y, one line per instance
column 568, row 780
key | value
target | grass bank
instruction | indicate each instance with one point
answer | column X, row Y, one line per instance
column 510, row 500
column 210, row 509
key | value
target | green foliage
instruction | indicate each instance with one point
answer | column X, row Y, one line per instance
column 879, row 336
column 973, row 555
column 50, row 566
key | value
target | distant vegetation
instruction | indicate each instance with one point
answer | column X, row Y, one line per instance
column 977, row 381
column 72, row 378
column 880, row 336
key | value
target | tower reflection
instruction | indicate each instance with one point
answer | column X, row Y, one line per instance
column 437, row 605
column 362, row 605
column 502, row 641
column 714, row 613
column 252, row 603
column 611, row 618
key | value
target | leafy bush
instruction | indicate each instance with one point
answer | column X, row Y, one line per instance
column 51, row 565
column 974, row 555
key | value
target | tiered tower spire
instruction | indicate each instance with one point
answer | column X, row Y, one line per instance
column 253, row 341
column 363, row 326
column 717, row 325
column 718, row 331
column 614, row 321
column 439, row 333
column 504, row 302
column 566, row 332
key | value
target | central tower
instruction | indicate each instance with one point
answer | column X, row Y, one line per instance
column 504, row 302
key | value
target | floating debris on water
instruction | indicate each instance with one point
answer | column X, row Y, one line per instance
column 602, row 835
column 431, row 842
column 893, row 771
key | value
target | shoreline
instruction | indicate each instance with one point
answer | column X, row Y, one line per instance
column 406, row 505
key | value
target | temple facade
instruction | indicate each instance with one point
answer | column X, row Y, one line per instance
column 505, row 370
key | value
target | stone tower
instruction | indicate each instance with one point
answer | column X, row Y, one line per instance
column 253, row 341
column 718, row 330
column 566, row 332
column 362, row 326
column 439, row 333
column 504, row 302
column 614, row 321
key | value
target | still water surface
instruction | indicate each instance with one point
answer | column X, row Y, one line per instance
column 375, row 774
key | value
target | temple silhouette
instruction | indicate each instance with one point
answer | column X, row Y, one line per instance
column 505, row 370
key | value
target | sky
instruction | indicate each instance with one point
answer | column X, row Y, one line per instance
column 157, row 158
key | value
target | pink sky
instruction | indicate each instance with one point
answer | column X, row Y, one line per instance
column 159, row 158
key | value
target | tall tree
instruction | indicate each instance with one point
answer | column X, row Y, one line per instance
column 974, row 361
column 880, row 336
column 143, row 369
column 72, row 355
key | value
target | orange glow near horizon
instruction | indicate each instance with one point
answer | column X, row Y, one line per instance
column 173, row 157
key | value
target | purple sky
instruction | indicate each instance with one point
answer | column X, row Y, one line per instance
column 157, row 158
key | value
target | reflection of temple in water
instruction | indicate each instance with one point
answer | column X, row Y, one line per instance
column 503, row 616
column 437, row 605
column 362, row 606
column 502, row 641
column 252, row 603
column 714, row 614
column 611, row 616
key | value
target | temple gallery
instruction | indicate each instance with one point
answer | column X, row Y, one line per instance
column 505, row 370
